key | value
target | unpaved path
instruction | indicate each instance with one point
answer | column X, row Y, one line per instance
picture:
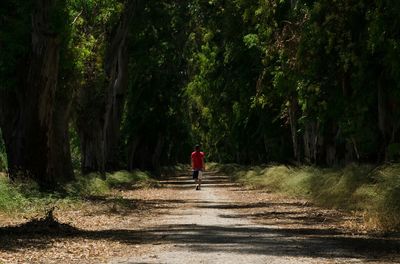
column 218, row 225
column 222, row 223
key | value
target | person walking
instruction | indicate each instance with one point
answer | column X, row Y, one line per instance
column 198, row 166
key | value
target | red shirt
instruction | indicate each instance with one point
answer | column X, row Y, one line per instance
column 197, row 160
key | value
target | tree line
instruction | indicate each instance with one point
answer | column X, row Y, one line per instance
column 104, row 85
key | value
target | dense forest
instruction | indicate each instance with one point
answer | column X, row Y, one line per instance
column 106, row 85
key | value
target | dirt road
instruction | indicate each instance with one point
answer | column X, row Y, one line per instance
column 223, row 223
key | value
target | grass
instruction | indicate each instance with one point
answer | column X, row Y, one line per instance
column 93, row 184
column 11, row 199
column 135, row 179
column 3, row 160
column 24, row 197
column 372, row 191
column 173, row 170
column 388, row 189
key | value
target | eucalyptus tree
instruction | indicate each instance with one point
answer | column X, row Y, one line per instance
column 3, row 155
column 321, row 70
column 383, row 42
column 102, row 33
column 155, row 126
column 33, row 34
column 225, row 68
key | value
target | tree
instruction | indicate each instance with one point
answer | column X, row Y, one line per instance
column 155, row 127
column 28, row 96
column 103, row 30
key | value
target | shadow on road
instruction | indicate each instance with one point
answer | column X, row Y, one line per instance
column 186, row 182
column 204, row 238
column 245, row 239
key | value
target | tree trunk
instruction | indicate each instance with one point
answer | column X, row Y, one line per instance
column 330, row 155
column 293, row 4
column 91, row 137
column 310, row 138
column 114, row 110
column 116, row 68
column 100, row 130
column 382, row 119
column 60, row 152
column 157, row 154
column 293, row 127
column 330, row 141
column 132, row 152
column 28, row 111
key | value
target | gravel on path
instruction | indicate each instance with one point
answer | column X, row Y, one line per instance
column 207, row 229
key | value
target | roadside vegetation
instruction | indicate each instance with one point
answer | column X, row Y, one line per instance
column 367, row 190
column 134, row 85
column 24, row 197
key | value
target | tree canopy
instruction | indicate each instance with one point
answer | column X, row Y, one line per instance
column 103, row 85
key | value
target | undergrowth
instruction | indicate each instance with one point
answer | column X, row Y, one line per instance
column 94, row 185
column 24, row 196
column 173, row 170
column 372, row 191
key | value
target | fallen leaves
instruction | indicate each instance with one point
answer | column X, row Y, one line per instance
column 92, row 232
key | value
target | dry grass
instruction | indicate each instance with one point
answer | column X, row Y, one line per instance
column 96, row 230
column 372, row 192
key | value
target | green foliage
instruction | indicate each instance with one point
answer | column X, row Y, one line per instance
column 225, row 62
column 15, row 39
column 261, row 71
column 252, row 81
column 156, row 115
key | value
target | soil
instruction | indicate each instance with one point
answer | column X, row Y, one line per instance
column 221, row 223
